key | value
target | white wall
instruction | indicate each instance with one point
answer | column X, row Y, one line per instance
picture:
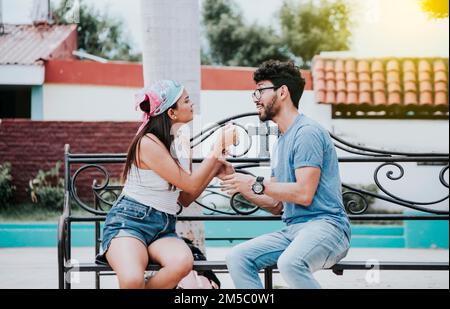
column 396, row 135
column 217, row 105
column 29, row 75
column 93, row 103
column 88, row 103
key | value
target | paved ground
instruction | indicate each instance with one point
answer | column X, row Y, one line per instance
column 36, row 268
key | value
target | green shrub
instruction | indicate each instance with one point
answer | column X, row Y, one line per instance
column 6, row 187
column 47, row 189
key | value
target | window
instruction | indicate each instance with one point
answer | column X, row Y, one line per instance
column 15, row 102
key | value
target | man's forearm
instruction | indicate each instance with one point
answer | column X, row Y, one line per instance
column 287, row 192
column 263, row 201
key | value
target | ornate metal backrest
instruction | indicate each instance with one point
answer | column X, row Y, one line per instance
column 356, row 199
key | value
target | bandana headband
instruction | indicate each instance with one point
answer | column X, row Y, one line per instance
column 160, row 96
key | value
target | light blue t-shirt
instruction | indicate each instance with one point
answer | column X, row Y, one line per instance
column 307, row 144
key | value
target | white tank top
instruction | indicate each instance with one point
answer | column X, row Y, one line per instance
column 148, row 188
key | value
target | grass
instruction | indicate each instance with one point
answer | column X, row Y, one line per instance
column 27, row 212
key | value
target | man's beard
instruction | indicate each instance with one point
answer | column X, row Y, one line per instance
column 269, row 111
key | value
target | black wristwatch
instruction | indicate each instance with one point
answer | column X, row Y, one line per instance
column 258, row 186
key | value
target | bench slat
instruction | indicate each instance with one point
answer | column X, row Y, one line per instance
column 358, row 265
column 344, row 265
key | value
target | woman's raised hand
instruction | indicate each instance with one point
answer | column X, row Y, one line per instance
column 228, row 136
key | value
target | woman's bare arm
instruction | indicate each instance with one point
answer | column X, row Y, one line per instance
column 154, row 155
column 187, row 199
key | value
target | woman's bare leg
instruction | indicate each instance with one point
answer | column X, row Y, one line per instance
column 175, row 259
column 128, row 257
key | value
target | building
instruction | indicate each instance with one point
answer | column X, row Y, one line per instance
column 24, row 49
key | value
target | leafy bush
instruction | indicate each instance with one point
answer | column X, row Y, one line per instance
column 6, row 187
column 47, row 189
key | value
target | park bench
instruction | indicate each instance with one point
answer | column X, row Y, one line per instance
column 84, row 170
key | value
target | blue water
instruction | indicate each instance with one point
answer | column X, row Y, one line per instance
column 411, row 235
column 44, row 235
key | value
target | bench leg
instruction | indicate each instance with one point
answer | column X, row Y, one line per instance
column 268, row 278
column 98, row 242
column 67, row 280
column 60, row 278
column 97, row 280
column 60, row 271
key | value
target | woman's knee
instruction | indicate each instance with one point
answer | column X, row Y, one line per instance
column 131, row 280
column 180, row 265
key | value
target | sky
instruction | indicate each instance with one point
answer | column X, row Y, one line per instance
column 383, row 27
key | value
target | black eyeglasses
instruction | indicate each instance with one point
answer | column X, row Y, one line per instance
column 258, row 92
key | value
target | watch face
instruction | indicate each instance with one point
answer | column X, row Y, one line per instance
column 257, row 188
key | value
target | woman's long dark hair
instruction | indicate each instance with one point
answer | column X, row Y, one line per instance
column 160, row 126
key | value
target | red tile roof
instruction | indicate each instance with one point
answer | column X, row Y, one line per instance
column 379, row 84
column 29, row 45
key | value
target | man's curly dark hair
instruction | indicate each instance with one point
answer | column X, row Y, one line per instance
column 280, row 74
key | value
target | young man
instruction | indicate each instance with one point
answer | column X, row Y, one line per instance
column 305, row 187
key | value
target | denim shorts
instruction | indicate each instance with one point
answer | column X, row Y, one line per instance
column 129, row 218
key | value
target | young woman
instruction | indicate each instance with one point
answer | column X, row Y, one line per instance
column 141, row 225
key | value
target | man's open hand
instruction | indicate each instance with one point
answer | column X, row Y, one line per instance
column 237, row 183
